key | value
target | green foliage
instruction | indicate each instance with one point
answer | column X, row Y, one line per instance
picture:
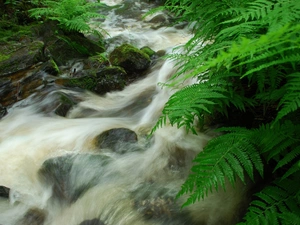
column 245, row 56
column 72, row 15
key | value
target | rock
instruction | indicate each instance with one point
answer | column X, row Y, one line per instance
column 21, row 57
column 148, row 51
column 33, row 216
column 92, row 222
column 65, row 104
column 7, row 92
column 85, row 82
column 161, row 18
column 50, row 67
column 157, row 203
column 62, row 46
column 110, row 79
column 3, row 111
column 119, row 140
column 28, row 85
column 4, row 192
column 130, row 58
column 72, row 175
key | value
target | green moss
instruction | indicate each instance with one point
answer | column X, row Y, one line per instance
column 4, row 57
column 87, row 82
column 148, row 51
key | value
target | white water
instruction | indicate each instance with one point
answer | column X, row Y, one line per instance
column 135, row 188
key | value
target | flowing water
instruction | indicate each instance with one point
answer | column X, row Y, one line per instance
column 59, row 174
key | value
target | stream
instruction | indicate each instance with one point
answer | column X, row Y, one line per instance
column 60, row 172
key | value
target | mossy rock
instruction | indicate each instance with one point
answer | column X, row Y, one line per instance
column 148, row 51
column 130, row 58
column 85, row 82
column 64, row 46
column 110, row 79
column 23, row 57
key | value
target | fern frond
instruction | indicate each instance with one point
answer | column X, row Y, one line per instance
column 288, row 158
column 190, row 102
column 72, row 15
column 274, row 204
column 290, row 102
column 224, row 157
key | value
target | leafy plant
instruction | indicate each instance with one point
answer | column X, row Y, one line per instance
column 71, row 15
column 245, row 56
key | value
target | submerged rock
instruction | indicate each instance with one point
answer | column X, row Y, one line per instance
column 157, row 203
column 72, row 175
column 33, row 216
column 92, row 222
column 119, row 140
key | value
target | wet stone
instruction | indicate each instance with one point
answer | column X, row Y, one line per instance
column 3, row 111
column 110, row 79
column 4, row 192
column 92, row 222
column 33, row 216
column 119, row 140
column 132, row 59
column 72, row 175
column 157, row 203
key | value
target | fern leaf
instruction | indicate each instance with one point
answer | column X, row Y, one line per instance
column 293, row 154
column 274, row 204
column 192, row 101
column 224, row 157
column 291, row 100
column 294, row 169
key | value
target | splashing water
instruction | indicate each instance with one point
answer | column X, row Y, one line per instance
column 60, row 173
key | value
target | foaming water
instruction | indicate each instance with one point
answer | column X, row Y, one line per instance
column 126, row 24
column 59, row 171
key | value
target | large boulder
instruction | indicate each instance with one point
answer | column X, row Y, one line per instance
column 63, row 46
column 132, row 59
column 20, row 56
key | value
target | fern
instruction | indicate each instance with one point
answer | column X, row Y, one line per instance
column 72, row 15
column 245, row 56
column 291, row 100
column 226, row 156
column 276, row 204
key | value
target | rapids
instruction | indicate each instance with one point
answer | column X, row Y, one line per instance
column 137, row 187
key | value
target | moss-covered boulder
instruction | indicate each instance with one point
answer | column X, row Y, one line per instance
column 63, row 46
column 132, row 59
column 150, row 52
column 85, row 82
column 20, row 56
column 110, row 79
